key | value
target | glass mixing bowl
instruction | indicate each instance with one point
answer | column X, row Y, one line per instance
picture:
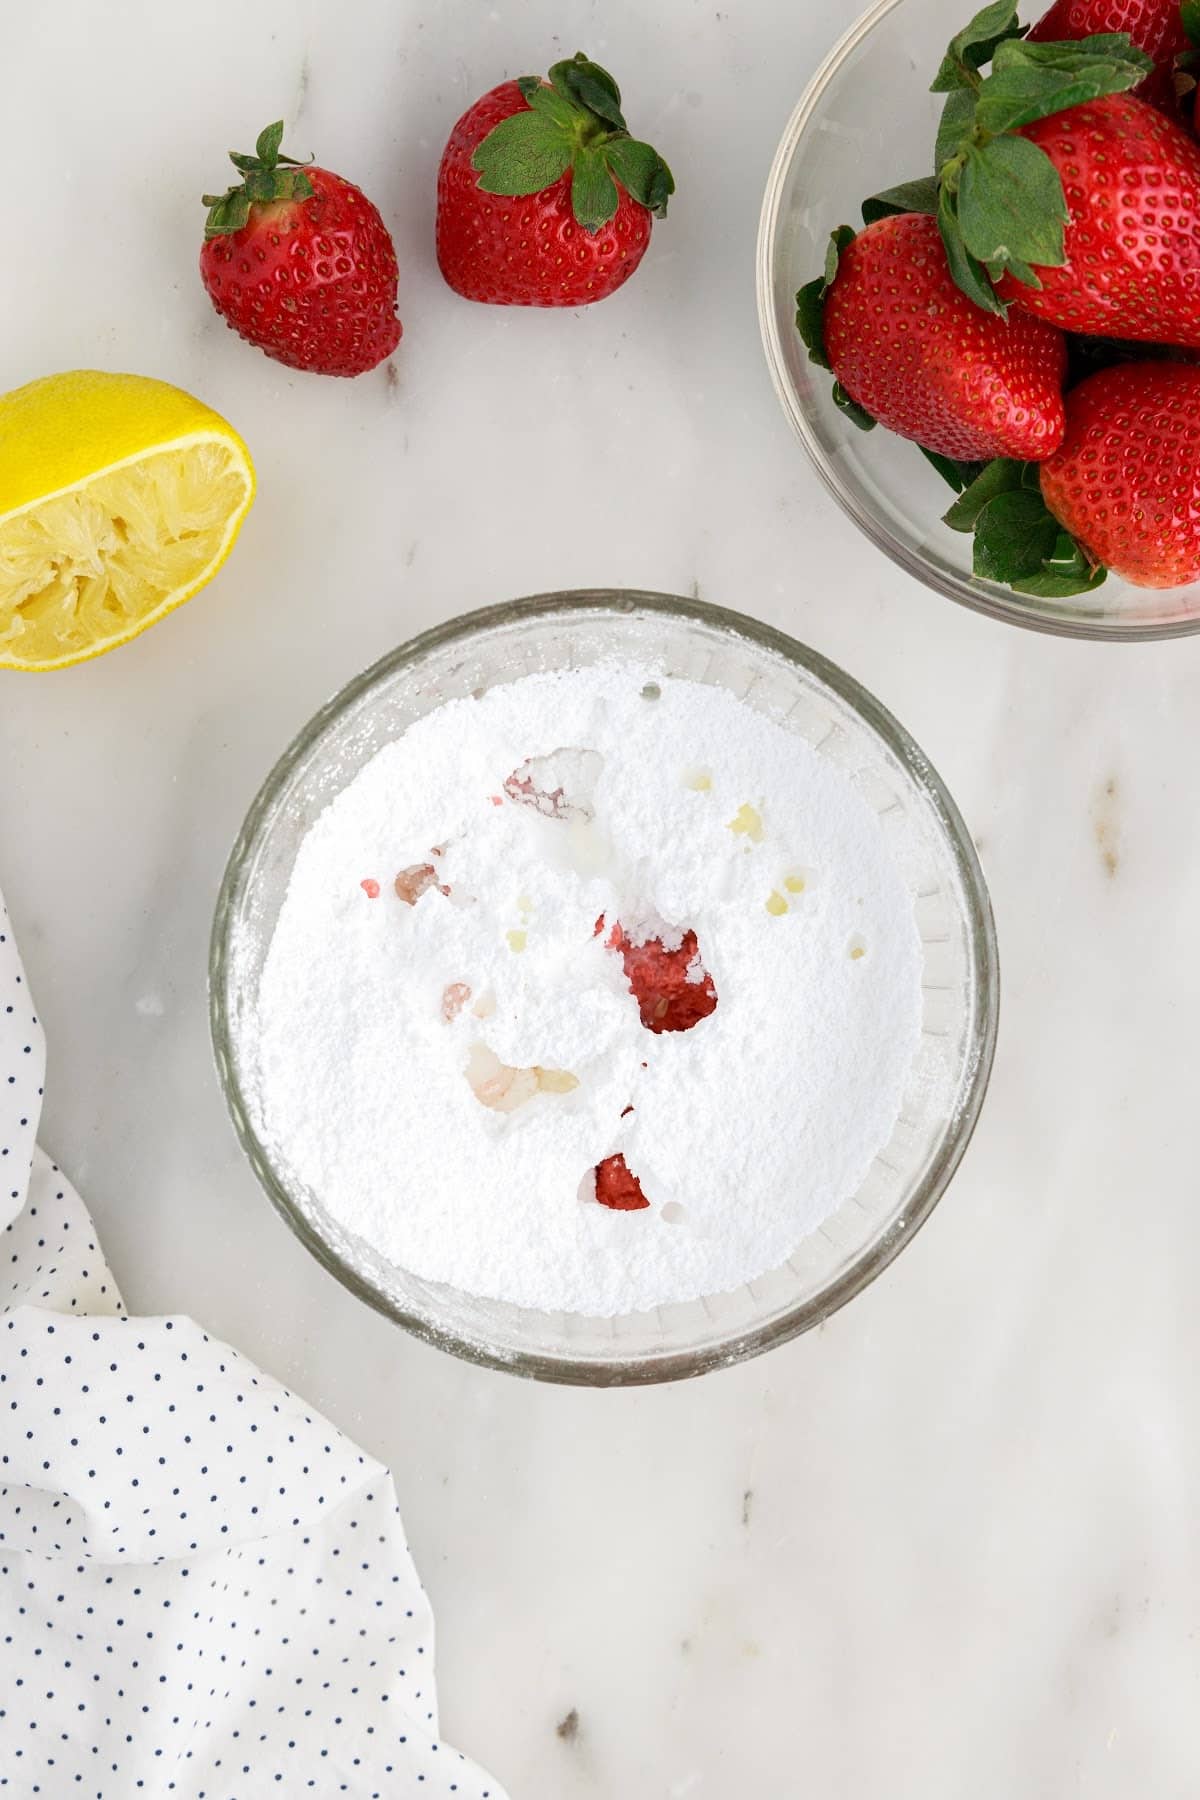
column 866, row 123
column 927, row 837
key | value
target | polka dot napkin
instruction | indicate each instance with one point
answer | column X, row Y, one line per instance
column 204, row 1588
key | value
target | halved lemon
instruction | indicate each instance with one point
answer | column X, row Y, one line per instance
column 120, row 496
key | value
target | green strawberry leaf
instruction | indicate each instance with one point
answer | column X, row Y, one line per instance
column 858, row 415
column 1189, row 14
column 523, row 154
column 260, row 184
column 840, row 238
column 1002, row 476
column 1017, row 539
column 954, row 130
column 552, row 106
column 810, row 299
column 1011, row 211
column 579, row 79
column 263, row 186
column 810, row 319
column 1014, row 536
column 594, row 196
column 910, row 196
column 966, row 270
column 1076, row 54
column 1032, row 81
column 957, row 475
column 227, row 213
column 642, row 172
column 1051, row 584
column 1069, row 557
column 975, row 45
column 1017, row 268
column 269, row 140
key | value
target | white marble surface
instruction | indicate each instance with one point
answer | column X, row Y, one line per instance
column 947, row 1545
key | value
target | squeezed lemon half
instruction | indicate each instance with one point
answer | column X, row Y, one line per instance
column 120, row 496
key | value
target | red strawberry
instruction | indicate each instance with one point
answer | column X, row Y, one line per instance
column 300, row 263
column 544, row 199
column 617, row 1186
column 912, row 352
column 1131, row 178
column 1126, row 482
column 1155, row 26
column 673, row 989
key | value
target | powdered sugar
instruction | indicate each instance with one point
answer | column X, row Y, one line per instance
column 445, row 1072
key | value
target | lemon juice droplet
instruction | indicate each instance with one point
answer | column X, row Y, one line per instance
column 747, row 822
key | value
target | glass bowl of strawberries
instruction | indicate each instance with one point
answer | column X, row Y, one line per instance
column 979, row 291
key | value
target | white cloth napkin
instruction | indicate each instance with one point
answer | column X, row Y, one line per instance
column 204, row 1588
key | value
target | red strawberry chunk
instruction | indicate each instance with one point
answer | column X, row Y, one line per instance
column 618, row 1187
column 559, row 785
column 673, row 989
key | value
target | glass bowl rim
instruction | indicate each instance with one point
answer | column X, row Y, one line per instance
column 1012, row 610
column 676, row 1365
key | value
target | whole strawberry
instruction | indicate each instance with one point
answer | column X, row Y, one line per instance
column 1131, row 242
column 911, row 352
column 299, row 262
column 1126, row 481
column 544, row 198
column 1155, row 26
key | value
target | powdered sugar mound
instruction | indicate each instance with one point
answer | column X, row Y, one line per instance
column 548, row 804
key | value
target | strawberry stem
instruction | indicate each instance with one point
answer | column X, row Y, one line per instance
column 267, row 176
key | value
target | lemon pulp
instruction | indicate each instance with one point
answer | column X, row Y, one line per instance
column 86, row 569
column 120, row 496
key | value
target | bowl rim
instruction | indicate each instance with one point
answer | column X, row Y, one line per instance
column 991, row 601
column 983, row 951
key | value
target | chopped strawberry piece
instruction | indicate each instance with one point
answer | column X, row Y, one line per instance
column 559, row 786
column 454, row 998
column 370, row 888
column 618, row 1187
column 673, row 989
column 412, row 882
